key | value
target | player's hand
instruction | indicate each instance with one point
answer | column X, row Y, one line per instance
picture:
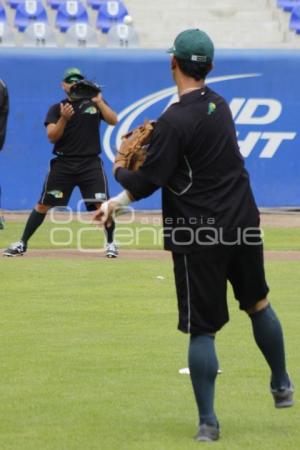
column 98, row 99
column 117, row 165
column 66, row 111
column 105, row 212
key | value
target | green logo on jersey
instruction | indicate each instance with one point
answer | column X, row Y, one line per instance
column 91, row 110
column 56, row 194
column 211, row 108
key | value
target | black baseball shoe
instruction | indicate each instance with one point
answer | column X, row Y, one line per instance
column 15, row 249
column 208, row 433
column 112, row 250
column 283, row 397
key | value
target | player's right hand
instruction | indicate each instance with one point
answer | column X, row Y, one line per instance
column 105, row 212
column 66, row 110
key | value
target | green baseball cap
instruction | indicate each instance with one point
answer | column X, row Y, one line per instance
column 73, row 74
column 193, row 45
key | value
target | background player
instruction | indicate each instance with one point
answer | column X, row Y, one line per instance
column 73, row 128
column 211, row 224
column 4, row 108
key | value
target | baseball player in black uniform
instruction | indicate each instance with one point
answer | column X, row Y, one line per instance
column 73, row 128
column 211, row 224
column 4, row 108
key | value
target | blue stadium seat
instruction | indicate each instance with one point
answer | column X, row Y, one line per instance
column 29, row 11
column 39, row 34
column 81, row 35
column 14, row 3
column 3, row 18
column 54, row 4
column 122, row 36
column 288, row 5
column 69, row 13
column 111, row 13
column 295, row 20
column 96, row 4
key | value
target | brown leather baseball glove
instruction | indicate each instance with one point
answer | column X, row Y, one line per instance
column 133, row 150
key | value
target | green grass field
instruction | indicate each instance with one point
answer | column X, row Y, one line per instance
column 90, row 356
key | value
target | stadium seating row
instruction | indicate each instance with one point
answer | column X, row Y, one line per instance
column 39, row 34
column 68, row 13
column 230, row 23
column 66, row 23
column 293, row 7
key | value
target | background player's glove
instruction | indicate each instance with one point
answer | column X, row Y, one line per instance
column 133, row 150
column 84, row 89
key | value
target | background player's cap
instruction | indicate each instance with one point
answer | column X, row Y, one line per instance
column 193, row 45
column 73, row 74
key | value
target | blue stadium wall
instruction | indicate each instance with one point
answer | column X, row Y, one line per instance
column 262, row 88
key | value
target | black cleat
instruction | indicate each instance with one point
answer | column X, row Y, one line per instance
column 283, row 397
column 208, row 433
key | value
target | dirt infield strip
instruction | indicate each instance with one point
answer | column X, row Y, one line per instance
column 141, row 254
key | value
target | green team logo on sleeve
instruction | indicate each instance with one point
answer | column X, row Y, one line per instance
column 211, row 108
column 56, row 194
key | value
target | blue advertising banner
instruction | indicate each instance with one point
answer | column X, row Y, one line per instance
column 261, row 87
